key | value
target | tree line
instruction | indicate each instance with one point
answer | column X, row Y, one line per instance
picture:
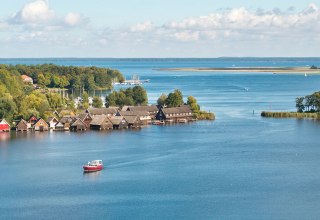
column 69, row 77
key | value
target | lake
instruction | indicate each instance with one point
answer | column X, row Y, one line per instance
column 240, row 166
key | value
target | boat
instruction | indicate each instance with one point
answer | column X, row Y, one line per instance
column 157, row 122
column 95, row 165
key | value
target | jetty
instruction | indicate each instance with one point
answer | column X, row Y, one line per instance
column 135, row 80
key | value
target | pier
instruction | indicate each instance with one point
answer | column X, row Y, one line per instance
column 135, row 80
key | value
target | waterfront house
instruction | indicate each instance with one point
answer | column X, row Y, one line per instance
column 151, row 109
column 59, row 127
column 4, row 126
column 66, row 121
column 101, row 111
column 41, row 125
column 52, row 121
column 32, row 120
column 119, row 122
column 23, row 125
column 86, row 118
column 133, row 121
column 101, row 122
column 144, row 116
column 177, row 114
column 78, row 125
column 27, row 79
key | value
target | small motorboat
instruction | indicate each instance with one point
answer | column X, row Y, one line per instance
column 95, row 165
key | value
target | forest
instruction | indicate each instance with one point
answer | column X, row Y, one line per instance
column 21, row 100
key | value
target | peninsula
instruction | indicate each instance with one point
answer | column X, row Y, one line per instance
column 275, row 70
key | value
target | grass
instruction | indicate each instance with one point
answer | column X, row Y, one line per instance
column 290, row 115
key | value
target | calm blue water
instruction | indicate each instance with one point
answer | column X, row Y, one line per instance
column 240, row 166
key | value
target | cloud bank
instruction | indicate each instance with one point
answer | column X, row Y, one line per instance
column 226, row 32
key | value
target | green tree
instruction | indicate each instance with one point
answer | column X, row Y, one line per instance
column 174, row 99
column 63, row 82
column 55, row 100
column 97, row 102
column 162, row 99
column 299, row 104
column 192, row 102
column 140, row 96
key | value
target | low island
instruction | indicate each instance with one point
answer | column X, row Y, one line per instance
column 276, row 70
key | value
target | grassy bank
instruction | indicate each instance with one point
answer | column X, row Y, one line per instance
column 203, row 115
column 290, row 115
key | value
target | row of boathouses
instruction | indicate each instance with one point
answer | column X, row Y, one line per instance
column 103, row 119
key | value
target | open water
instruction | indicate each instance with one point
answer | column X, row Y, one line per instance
column 240, row 166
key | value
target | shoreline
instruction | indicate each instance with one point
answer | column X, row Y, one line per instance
column 274, row 70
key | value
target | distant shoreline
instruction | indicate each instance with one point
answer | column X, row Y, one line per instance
column 275, row 70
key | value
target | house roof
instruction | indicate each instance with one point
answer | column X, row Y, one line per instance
column 116, row 120
column 98, row 119
column 134, row 113
column 78, row 122
column 25, row 77
column 101, row 111
column 22, row 121
column 83, row 116
column 131, row 119
column 59, row 124
column 51, row 119
column 41, row 120
column 64, row 120
column 4, row 122
column 66, row 113
column 148, row 108
column 177, row 110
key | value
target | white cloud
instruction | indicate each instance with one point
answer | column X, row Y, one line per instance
column 34, row 13
column 142, row 27
column 72, row 19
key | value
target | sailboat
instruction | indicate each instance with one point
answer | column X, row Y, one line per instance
column 305, row 74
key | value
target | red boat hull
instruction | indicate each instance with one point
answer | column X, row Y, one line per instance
column 87, row 168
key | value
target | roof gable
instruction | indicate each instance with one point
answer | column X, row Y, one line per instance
column 41, row 122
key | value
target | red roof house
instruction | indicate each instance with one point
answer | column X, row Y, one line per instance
column 4, row 125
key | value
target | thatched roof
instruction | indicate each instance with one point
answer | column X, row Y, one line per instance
column 51, row 119
column 101, row 111
column 84, row 116
column 116, row 120
column 99, row 119
column 148, row 108
column 134, row 113
column 177, row 110
column 131, row 119
column 67, row 120
column 78, row 122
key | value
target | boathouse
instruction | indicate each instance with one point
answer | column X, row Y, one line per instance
column 133, row 121
column 119, row 122
column 101, row 111
column 66, row 121
column 41, row 125
column 59, row 127
column 23, row 125
column 144, row 116
column 32, row 120
column 78, row 125
column 151, row 109
column 52, row 121
column 86, row 118
column 176, row 114
column 101, row 122
column 4, row 126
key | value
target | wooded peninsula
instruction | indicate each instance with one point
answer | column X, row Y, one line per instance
column 29, row 92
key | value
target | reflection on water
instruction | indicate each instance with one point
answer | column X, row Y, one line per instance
column 4, row 136
column 92, row 176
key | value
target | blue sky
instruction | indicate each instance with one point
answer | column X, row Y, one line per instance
column 150, row 28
